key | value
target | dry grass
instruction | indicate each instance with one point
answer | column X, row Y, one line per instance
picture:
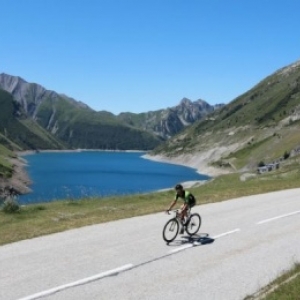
column 286, row 287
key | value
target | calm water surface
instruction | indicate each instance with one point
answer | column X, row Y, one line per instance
column 74, row 175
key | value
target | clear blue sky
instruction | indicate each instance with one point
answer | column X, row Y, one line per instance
column 142, row 55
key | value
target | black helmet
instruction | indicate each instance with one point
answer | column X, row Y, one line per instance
column 178, row 187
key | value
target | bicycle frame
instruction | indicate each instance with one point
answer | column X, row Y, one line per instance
column 171, row 228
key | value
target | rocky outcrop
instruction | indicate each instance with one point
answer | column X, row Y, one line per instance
column 20, row 180
column 31, row 95
column 170, row 121
column 182, row 115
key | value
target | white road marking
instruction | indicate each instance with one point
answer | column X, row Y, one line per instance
column 278, row 217
column 225, row 233
column 78, row 282
column 218, row 236
column 199, row 243
column 181, row 248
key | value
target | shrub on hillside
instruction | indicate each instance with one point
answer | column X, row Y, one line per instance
column 11, row 205
column 286, row 155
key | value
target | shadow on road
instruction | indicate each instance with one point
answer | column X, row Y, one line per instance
column 202, row 239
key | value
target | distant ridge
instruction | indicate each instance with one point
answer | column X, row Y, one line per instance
column 79, row 126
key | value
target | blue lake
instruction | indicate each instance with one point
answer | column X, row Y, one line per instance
column 73, row 175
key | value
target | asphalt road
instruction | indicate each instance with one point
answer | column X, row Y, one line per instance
column 251, row 241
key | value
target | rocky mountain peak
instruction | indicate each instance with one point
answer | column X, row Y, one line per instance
column 30, row 95
column 185, row 101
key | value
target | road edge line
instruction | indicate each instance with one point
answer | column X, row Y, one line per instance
column 278, row 217
column 78, row 282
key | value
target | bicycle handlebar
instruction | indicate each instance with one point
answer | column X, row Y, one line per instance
column 175, row 211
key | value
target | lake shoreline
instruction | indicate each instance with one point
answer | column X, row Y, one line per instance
column 22, row 182
column 197, row 162
column 29, row 152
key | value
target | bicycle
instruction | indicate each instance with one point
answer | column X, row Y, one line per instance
column 191, row 225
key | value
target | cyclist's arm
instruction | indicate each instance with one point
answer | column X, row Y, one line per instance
column 184, row 206
column 172, row 204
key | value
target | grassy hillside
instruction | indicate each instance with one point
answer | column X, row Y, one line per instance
column 73, row 122
column 81, row 127
column 17, row 132
column 260, row 125
column 6, row 168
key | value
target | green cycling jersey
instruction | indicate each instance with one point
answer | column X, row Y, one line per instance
column 187, row 197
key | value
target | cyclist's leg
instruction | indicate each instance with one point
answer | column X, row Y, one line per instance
column 189, row 210
column 188, row 213
column 185, row 211
column 185, row 214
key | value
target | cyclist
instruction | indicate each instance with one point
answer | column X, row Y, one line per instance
column 188, row 199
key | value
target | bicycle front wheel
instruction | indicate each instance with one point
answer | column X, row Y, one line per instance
column 170, row 230
column 194, row 224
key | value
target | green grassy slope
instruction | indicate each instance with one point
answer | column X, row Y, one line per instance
column 20, row 133
column 84, row 128
column 260, row 125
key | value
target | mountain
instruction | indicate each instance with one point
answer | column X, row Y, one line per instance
column 79, row 126
column 259, row 125
column 74, row 123
column 18, row 132
column 31, row 95
column 168, row 122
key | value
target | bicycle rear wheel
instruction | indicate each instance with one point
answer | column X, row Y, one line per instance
column 170, row 230
column 193, row 224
